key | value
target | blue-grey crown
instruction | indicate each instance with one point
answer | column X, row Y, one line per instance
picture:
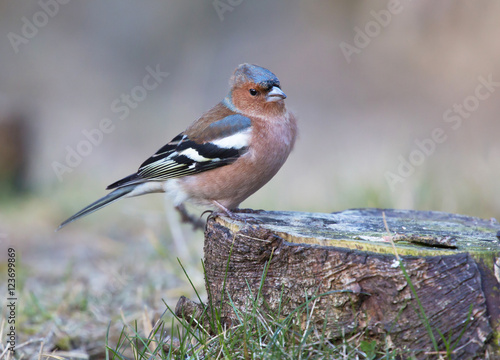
column 256, row 74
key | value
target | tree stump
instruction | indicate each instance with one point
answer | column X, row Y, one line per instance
column 347, row 258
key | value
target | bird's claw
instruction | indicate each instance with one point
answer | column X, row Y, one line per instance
column 233, row 215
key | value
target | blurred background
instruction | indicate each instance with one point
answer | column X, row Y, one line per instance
column 398, row 106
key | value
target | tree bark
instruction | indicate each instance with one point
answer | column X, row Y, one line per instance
column 345, row 262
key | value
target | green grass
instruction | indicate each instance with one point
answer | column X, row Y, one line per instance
column 258, row 335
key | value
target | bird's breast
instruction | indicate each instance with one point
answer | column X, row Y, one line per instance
column 270, row 144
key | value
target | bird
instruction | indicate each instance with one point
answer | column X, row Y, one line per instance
column 223, row 157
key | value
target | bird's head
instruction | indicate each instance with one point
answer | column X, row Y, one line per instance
column 256, row 91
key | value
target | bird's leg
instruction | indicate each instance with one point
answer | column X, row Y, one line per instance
column 223, row 209
column 232, row 215
column 188, row 218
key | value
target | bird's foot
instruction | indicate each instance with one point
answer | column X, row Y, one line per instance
column 233, row 215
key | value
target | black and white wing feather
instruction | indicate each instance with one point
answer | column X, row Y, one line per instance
column 228, row 139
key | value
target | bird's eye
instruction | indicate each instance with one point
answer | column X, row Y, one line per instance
column 253, row 92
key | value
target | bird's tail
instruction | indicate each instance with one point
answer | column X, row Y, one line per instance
column 102, row 202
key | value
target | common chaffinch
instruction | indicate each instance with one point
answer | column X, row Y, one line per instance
column 225, row 156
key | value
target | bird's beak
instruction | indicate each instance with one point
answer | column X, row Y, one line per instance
column 275, row 94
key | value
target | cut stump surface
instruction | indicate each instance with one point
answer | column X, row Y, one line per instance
column 342, row 267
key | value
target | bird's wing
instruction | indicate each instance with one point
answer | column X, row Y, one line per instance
column 221, row 143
